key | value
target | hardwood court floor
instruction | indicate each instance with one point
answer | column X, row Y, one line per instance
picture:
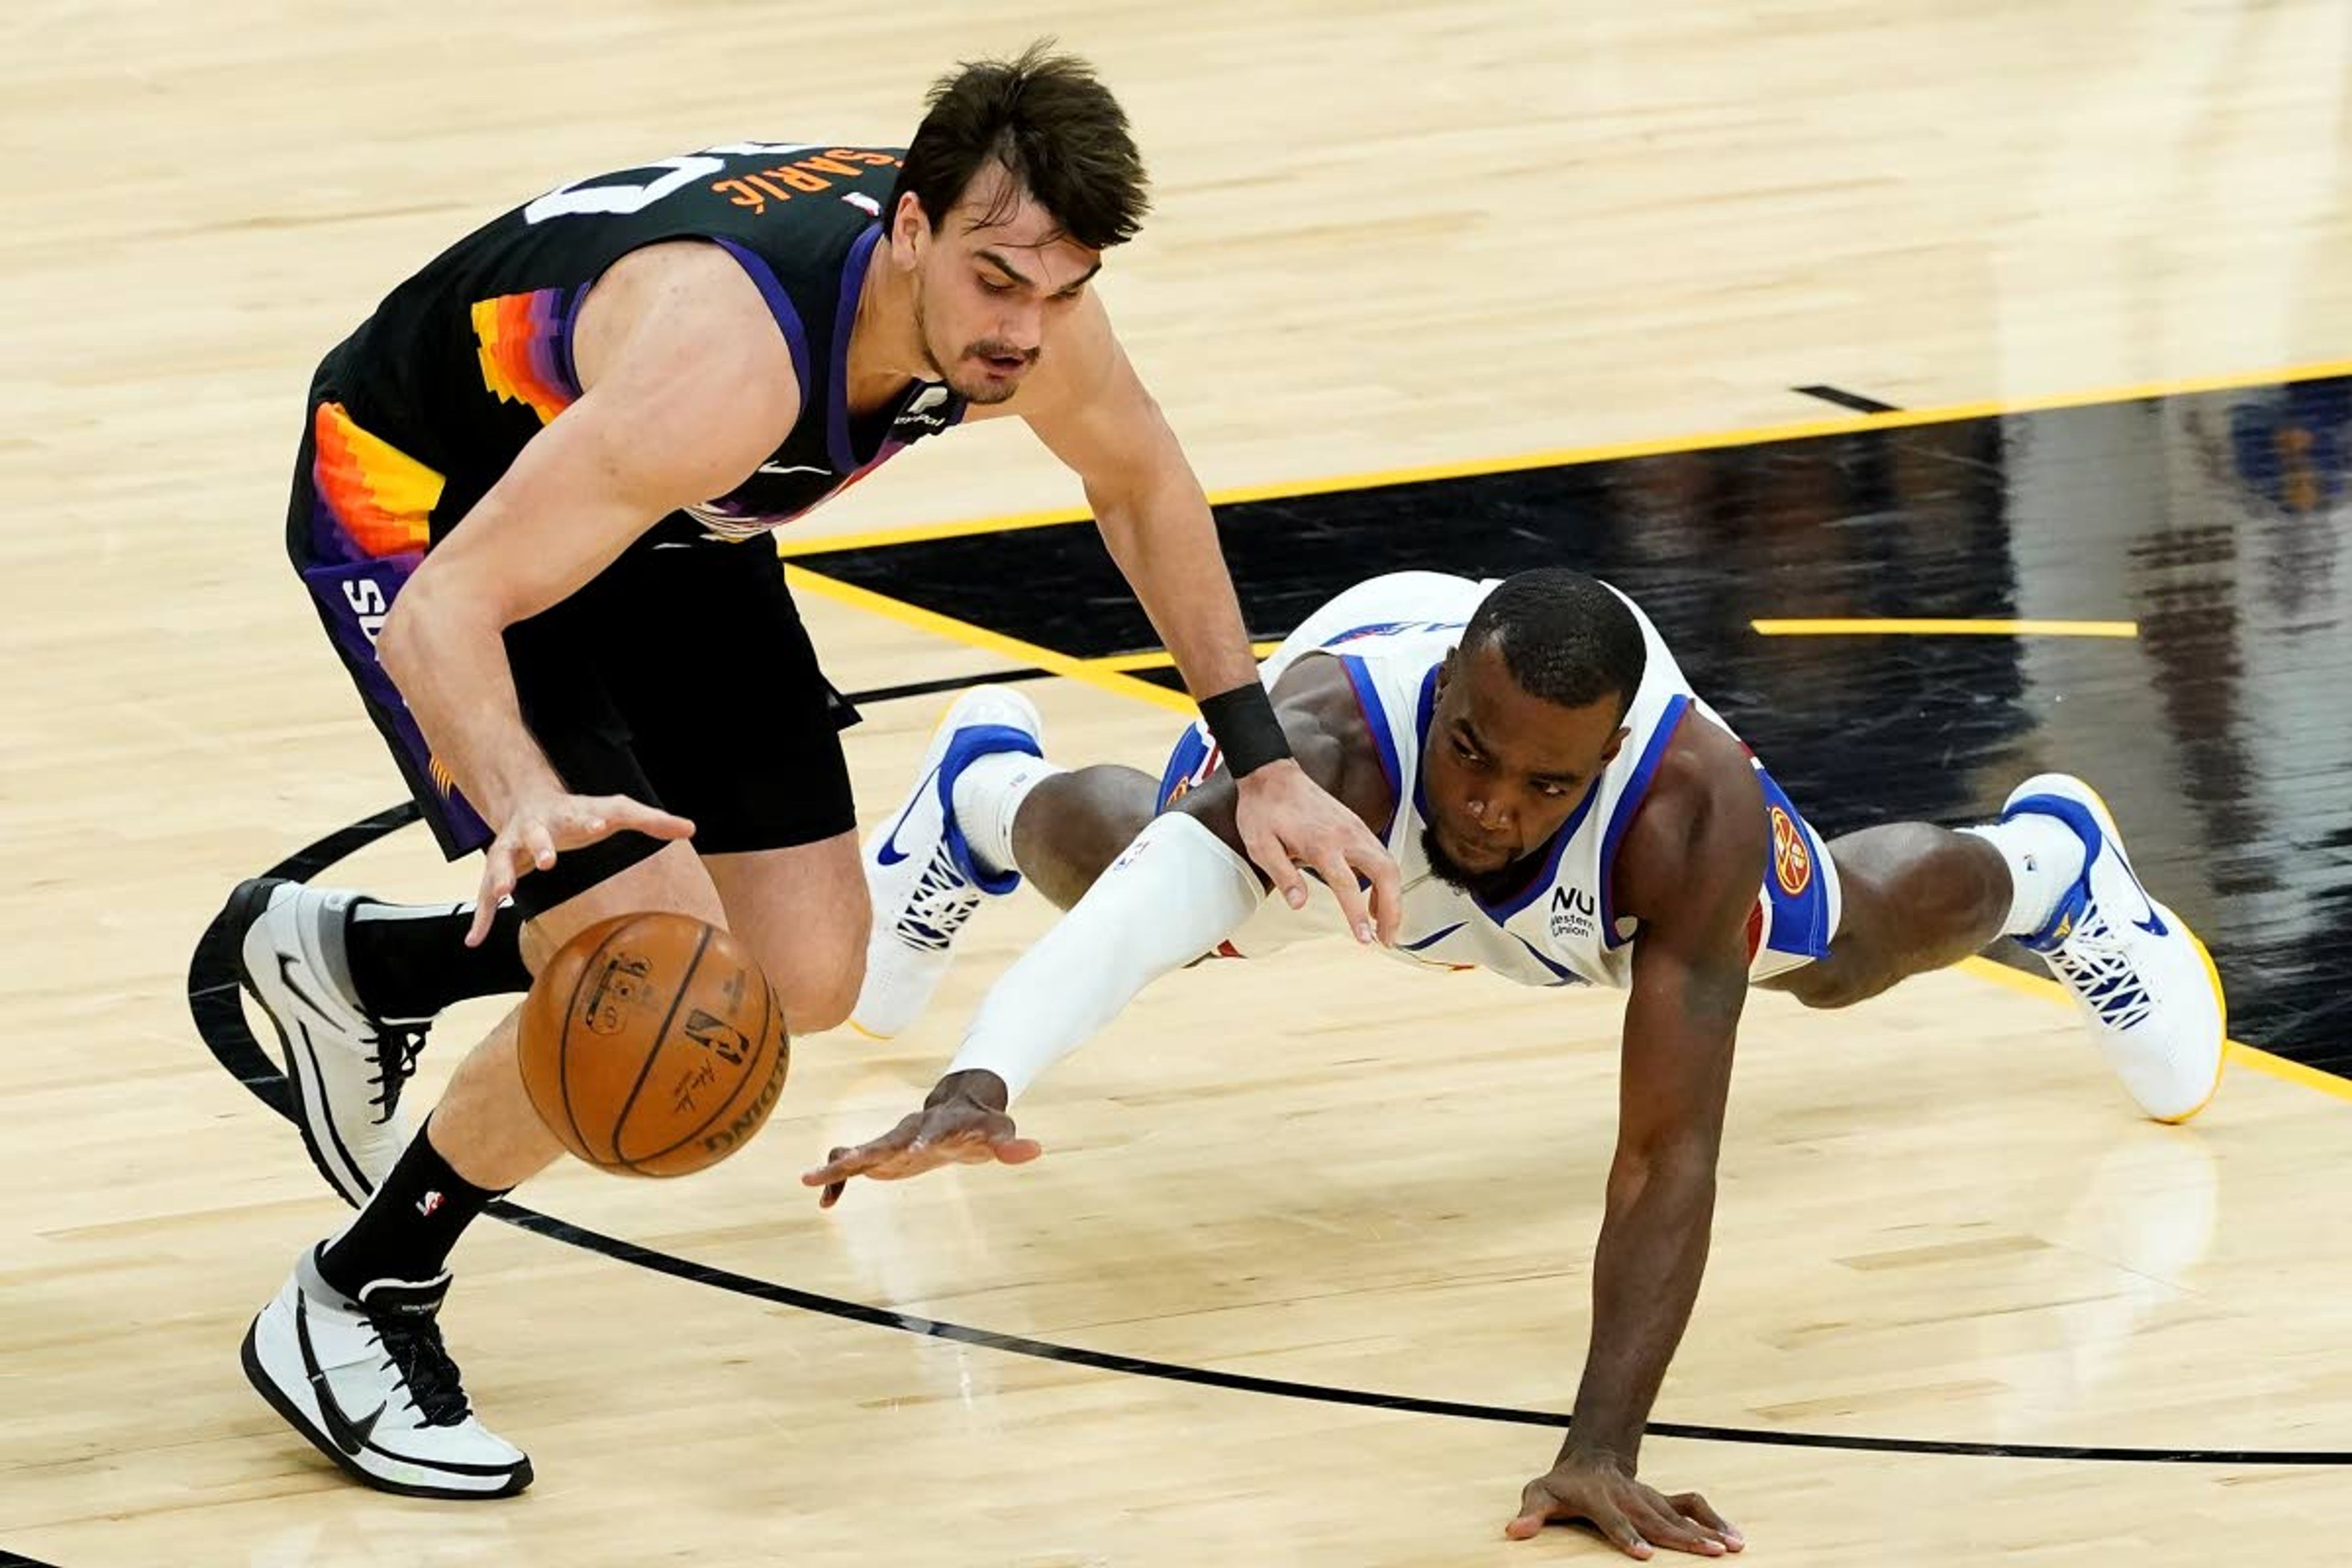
column 1394, row 235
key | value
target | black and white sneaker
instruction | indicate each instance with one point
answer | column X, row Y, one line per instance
column 370, row 1384
column 344, row 1067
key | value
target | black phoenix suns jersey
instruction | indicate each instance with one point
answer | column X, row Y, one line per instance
column 463, row 362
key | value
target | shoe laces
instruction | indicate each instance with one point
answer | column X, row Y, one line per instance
column 397, row 1046
column 2096, row 968
column 943, row 900
column 413, row 1348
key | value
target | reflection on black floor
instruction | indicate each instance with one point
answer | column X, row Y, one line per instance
column 2222, row 736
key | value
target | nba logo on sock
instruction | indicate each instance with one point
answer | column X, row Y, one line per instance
column 427, row 1205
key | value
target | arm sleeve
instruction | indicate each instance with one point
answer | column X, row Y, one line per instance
column 1171, row 896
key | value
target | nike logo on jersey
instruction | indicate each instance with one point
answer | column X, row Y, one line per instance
column 783, row 468
column 347, row 1435
column 890, row 854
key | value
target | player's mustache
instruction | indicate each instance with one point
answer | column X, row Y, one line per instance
column 997, row 348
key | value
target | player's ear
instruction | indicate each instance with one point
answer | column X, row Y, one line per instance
column 1445, row 670
column 1609, row 751
column 910, row 231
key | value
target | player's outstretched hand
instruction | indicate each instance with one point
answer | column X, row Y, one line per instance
column 1286, row 822
column 540, row 827
column 1635, row 1518
column 963, row 1124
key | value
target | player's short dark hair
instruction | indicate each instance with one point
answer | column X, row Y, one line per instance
column 1054, row 126
column 1564, row 636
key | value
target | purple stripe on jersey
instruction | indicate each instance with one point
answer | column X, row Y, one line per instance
column 779, row 305
column 1376, row 718
column 566, row 367
column 1566, row 976
column 1628, row 804
column 844, row 317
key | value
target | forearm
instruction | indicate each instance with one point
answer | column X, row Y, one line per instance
column 450, row 664
column 1645, row 1276
column 1165, row 540
column 1175, row 894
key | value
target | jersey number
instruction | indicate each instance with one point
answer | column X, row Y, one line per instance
column 581, row 198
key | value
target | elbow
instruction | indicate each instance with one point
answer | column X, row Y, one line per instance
column 396, row 640
column 420, row 615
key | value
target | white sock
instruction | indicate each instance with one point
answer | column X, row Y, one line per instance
column 987, row 798
column 2044, row 857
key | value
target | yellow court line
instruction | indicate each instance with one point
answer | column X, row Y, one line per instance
column 2253, row 1057
column 1091, row 672
column 1162, row 658
column 1926, row 626
column 1565, row 457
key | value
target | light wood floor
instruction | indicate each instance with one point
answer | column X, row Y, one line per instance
column 1387, row 235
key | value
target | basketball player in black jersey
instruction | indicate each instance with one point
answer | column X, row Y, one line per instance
column 532, row 509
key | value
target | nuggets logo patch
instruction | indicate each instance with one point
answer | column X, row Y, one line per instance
column 1792, row 863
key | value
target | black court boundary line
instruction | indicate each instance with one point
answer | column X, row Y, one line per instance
column 220, row 1020
column 1845, row 399
column 19, row 1559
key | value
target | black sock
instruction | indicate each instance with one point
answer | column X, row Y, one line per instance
column 410, row 960
column 408, row 1227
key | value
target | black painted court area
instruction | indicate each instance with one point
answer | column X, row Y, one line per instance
column 2218, row 522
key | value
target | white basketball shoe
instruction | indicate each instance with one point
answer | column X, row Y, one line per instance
column 2143, row 981
column 369, row 1383
column 344, row 1067
column 920, row 868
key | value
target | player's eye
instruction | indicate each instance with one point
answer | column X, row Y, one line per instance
column 995, row 285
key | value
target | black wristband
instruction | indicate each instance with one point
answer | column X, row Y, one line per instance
column 1247, row 731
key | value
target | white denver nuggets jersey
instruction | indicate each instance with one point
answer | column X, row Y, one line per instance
column 1391, row 634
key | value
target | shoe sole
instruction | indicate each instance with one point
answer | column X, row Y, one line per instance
column 2213, row 974
column 249, row 1354
column 248, row 904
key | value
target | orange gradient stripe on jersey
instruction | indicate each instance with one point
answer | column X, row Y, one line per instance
column 382, row 497
column 521, row 338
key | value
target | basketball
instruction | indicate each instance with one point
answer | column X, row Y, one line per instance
column 652, row 1046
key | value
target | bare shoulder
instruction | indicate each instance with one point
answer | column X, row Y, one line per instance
column 681, row 301
column 1699, row 836
column 1332, row 738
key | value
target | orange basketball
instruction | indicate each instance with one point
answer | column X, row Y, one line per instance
column 652, row 1044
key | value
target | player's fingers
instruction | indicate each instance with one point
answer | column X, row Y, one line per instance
column 539, row 843
column 1693, row 1506
column 620, row 813
column 1619, row 1530
column 1537, row 1508
column 1662, row 1526
column 1273, row 858
column 1331, row 861
column 498, row 881
column 1388, row 889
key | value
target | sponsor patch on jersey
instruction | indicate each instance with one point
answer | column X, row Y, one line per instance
column 1572, row 912
column 1792, row 863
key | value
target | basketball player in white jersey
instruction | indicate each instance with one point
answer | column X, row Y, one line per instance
column 1565, row 810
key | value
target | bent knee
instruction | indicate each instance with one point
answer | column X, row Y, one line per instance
column 816, row 978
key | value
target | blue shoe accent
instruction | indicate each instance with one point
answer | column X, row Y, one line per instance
column 2085, row 825
column 965, row 747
